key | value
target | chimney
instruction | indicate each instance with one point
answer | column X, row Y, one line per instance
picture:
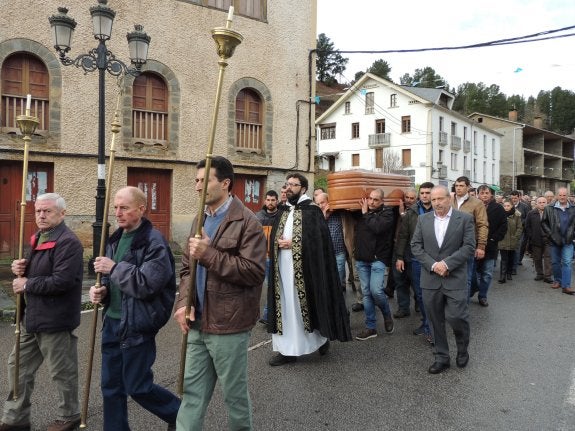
column 538, row 122
column 513, row 115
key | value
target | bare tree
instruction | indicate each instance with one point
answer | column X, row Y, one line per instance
column 392, row 163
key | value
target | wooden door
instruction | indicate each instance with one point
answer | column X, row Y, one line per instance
column 250, row 190
column 157, row 185
column 40, row 180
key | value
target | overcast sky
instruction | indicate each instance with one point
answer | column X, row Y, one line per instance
column 523, row 69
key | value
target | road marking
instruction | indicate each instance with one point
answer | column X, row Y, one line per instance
column 257, row 346
column 571, row 393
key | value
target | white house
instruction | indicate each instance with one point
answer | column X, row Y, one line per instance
column 378, row 125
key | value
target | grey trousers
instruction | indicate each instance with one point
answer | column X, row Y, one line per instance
column 59, row 351
column 444, row 305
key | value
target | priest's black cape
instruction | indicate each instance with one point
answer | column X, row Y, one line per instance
column 324, row 294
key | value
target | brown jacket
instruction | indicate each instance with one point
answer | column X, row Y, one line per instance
column 475, row 207
column 235, row 263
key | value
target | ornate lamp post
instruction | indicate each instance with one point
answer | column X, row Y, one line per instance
column 102, row 60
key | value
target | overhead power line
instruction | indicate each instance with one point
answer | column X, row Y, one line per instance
column 535, row 37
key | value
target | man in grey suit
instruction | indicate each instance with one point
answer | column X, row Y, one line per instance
column 443, row 242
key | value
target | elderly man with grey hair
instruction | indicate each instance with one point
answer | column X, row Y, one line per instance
column 50, row 278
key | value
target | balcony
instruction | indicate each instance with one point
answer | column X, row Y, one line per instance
column 466, row 146
column 12, row 106
column 441, row 170
column 150, row 128
column 379, row 140
column 442, row 138
column 455, row 143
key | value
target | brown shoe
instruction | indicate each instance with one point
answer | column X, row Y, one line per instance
column 60, row 425
column 8, row 427
column 555, row 285
column 568, row 290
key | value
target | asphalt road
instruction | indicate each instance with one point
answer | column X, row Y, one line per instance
column 521, row 375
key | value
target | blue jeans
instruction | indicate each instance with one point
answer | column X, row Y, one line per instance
column 416, row 283
column 340, row 261
column 561, row 259
column 128, row 372
column 372, row 279
column 484, row 270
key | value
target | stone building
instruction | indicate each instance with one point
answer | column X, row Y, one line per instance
column 264, row 117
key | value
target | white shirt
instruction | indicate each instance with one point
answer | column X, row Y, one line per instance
column 440, row 225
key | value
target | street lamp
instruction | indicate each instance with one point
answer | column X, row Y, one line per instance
column 103, row 60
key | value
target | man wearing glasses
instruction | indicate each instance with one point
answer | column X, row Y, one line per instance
column 305, row 299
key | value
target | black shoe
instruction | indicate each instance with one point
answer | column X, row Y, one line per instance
column 509, row 277
column 514, row 272
column 388, row 324
column 438, row 367
column 6, row 427
column 324, row 348
column 263, row 321
column 280, row 359
column 357, row 307
column 462, row 359
column 539, row 278
column 483, row 302
column 419, row 331
column 399, row 314
column 548, row 280
column 501, row 280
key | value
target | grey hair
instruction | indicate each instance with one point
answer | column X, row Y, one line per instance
column 60, row 202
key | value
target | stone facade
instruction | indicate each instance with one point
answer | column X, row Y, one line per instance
column 273, row 60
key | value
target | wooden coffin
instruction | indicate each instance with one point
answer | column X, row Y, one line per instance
column 346, row 188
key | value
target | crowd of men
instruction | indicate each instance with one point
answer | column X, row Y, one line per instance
column 438, row 245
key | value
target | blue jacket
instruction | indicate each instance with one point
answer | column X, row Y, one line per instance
column 147, row 279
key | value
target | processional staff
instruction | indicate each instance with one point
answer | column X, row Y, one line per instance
column 226, row 42
column 115, row 128
column 27, row 125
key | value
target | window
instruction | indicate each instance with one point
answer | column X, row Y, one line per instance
column 406, row 157
column 493, row 174
column 393, row 101
column 440, row 158
column 369, row 103
column 355, row 160
column 251, row 8
column 484, row 171
column 24, row 74
column 453, row 129
column 484, row 146
column 474, row 169
column 150, row 109
column 475, row 143
column 379, row 158
column 380, row 126
column 465, row 163
column 441, row 124
column 347, row 107
column 453, row 161
column 493, row 148
column 406, row 124
column 249, row 121
column 327, row 131
column 465, row 133
column 354, row 130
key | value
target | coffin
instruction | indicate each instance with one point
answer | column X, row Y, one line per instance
column 346, row 188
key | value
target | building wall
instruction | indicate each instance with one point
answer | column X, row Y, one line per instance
column 274, row 54
column 422, row 141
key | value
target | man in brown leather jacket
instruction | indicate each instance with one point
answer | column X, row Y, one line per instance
column 231, row 258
